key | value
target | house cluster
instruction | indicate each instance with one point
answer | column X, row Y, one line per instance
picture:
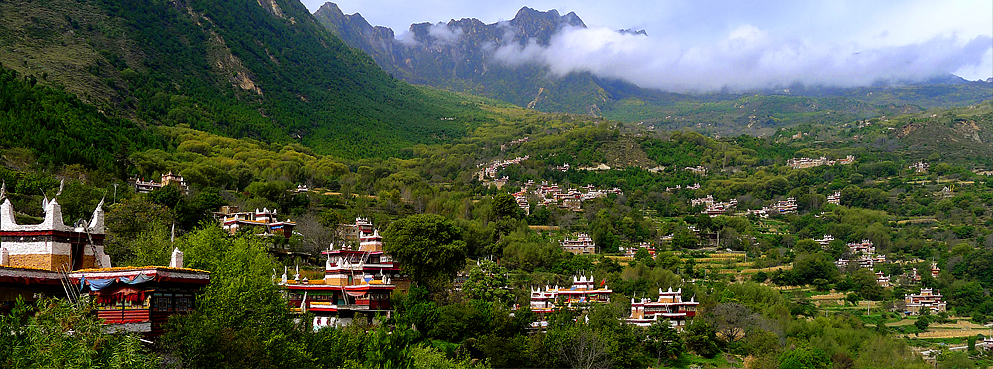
column 631, row 251
column 712, row 207
column 834, row 198
column 698, row 170
column 582, row 291
column 825, row 241
column 552, row 195
column 357, row 279
column 142, row 186
column 52, row 259
column 669, row 307
column 778, row 207
column 801, row 163
column 920, row 167
column 581, row 245
column 490, row 171
column 927, row 299
column 695, row 186
column 782, row 206
column 864, row 254
column 514, row 142
column 262, row 222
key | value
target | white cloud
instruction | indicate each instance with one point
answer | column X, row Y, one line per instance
column 439, row 35
column 747, row 58
column 443, row 34
column 815, row 40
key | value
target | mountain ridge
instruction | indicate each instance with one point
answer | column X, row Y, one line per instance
column 460, row 55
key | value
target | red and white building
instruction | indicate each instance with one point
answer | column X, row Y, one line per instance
column 583, row 291
column 52, row 245
column 141, row 299
column 352, row 232
column 631, row 251
column 52, row 260
column 142, row 186
column 927, row 299
column 582, row 245
column 263, row 222
column 986, row 344
column 883, row 280
column 355, row 281
column 669, row 307
column 834, row 198
column 783, row 206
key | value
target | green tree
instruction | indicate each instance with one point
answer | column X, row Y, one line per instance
column 956, row 360
column 852, row 298
column 804, row 358
column 923, row 321
column 424, row 356
column 760, row 277
column 428, row 247
column 138, row 233
column 505, row 205
column 242, row 319
column 488, row 281
column 683, row 238
column 701, row 338
column 863, row 282
column 807, row 245
column 57, row 333
column 808, row 267
column 664, row 342
column 643, row 256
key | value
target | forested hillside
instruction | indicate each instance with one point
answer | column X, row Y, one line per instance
column 235, row 68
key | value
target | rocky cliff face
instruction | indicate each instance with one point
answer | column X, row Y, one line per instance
column 459, row 56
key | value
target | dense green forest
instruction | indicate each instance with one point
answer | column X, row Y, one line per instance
column 232, row 68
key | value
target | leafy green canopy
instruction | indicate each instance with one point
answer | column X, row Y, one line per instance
column 428, row 247
column 59, row 334
column 60, row 129
column 241, row 319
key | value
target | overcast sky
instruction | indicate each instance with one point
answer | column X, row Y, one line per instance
column 707, row 44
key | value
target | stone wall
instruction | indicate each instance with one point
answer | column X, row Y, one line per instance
column 41, row 261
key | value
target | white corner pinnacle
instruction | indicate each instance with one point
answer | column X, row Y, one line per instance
column 177, row 259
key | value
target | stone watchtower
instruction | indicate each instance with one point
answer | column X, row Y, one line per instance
column 52, row 245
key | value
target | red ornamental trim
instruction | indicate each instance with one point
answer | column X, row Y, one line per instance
column 51, row 233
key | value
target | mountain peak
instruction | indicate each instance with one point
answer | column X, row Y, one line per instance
column 530, row 15
column 630, row 31
column 573, row 20
column 330, row 7
column 527, row 12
